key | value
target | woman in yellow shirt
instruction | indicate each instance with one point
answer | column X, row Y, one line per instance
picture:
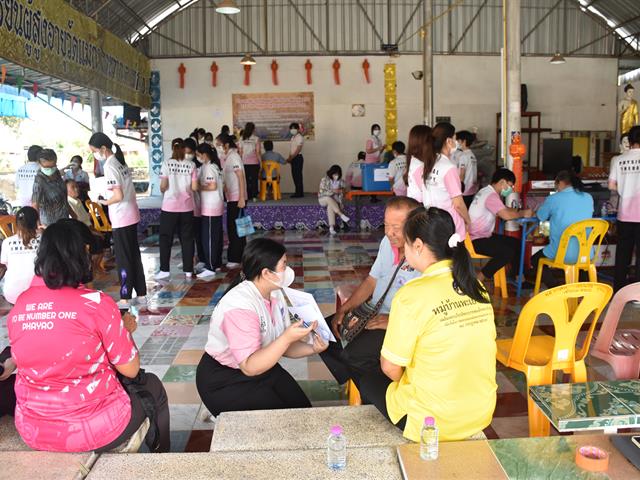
column 439, row 352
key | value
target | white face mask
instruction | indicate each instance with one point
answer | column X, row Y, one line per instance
column 220, row 150
column 98, row 156
column 336, row 177
column 293, row 131
column 286, row 278
column 189, row 156
column 457, row 147
column 376, row 132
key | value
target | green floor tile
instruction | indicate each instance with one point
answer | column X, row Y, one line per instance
column 180, row 373
column 322, row 390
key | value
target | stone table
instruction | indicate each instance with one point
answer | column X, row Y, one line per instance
column 44, row 465
column 362, row 463
column 302, row 429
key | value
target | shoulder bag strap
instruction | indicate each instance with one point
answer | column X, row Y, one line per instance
column 384, row 295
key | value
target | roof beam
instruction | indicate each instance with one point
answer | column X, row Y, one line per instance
column 409, row 20
column 539, row 22
column 241, row 30
column 468, row 27
column 309, row 27
column 373, row 25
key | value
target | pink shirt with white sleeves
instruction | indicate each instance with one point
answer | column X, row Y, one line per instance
column 65, row 343
column 124, row 213
column 483, row 211
column 442, row 186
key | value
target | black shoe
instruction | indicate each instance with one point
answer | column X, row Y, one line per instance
column 295, row 195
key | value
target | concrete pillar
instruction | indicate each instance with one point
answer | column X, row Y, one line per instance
column 96, row 111
column 511, row 10
column 427, row 63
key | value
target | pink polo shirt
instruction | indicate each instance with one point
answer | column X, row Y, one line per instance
column 65, row 343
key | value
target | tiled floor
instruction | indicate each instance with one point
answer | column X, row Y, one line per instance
column 172, row 338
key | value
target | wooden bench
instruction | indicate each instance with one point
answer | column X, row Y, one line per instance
column 302, row 429
column 369, row 463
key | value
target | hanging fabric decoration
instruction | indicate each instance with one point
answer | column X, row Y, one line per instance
column 73, row 99
column 35, row 89
column 3, row 74
column 365, row 68
column 247, row 75
column 308, row 66
column 19, row 83
column 49, row 93
column 274, row 72
column 336, row 71
column 181, row 71
column 214, row 74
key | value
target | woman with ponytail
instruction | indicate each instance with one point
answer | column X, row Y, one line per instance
column 124, row 215
column 439, row 352
column 442, row 187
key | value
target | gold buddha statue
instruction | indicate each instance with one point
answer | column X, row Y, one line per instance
column 628, row 110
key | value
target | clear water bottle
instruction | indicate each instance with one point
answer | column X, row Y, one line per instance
column 337, row 449
column 429, row 440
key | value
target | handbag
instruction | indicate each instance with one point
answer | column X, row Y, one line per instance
column 365, row 312
column 244, row 224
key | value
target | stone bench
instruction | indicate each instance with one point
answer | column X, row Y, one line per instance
column 10, row 439
column 302, row 429
column 369, row 463
column 34, row 465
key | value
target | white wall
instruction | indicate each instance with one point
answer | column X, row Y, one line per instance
column 579, row 95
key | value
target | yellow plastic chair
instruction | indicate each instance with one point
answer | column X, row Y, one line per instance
column 586, row 240
column 353, row 394
column 499, row 278
column 8, row 225
column 540, row 356
column 98, row 217
column 269, row 168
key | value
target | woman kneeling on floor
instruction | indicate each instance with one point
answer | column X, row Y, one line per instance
column 439, row 352
column 76, row 359
column 250, row 332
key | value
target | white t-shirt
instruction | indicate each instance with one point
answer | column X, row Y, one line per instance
column 25, row 177
column 415, row 187
column 296, row 141
column 250, row 148
column 179, row 196
column 626, row 174
column 397, row 168
column 441, row 187
column 467, row 160
column 124, row 213
column 212, row 201
column 20, row 265
column 484, row 208
column 232, row 164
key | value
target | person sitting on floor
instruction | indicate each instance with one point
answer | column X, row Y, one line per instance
column 570, row 204
column 363, row 353
column 439, row 353
column 250, row 332
column 71, row 345
column 486, row 205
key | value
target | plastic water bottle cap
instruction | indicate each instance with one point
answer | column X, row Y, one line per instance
column 429, row 421
column 336, row 430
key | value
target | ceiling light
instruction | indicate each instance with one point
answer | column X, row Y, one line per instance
column 557, row 59
column 248, row 60
column 227, row 7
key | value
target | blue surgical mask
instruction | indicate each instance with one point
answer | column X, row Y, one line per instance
column 48, row 171
column 507, row 191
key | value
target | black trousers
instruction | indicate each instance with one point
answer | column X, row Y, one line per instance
column 468, row 199
column 197, row 236
column 7, row 396
column 129, row 262
column 628, row 239
column 548, row 277
column 156, row 389
column 183, row 223
column 296, row 172
column 252, row 174
column 236, row 244
column 225, row 389
column 373, row 390
column 503, row 250
column 212, row 241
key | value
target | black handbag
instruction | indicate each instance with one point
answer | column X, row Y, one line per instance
column 363, row 313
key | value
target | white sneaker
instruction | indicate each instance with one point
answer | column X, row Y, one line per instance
column 200, row 266
column 141, row 302
column 219, row 269
column 232, row 265
column 188, row 275
column 206, row 274
column 332, row 231
column 124, row 304
column 344, row 218
column 162, row 275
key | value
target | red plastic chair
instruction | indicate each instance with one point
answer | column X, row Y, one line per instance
column 620, row 348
